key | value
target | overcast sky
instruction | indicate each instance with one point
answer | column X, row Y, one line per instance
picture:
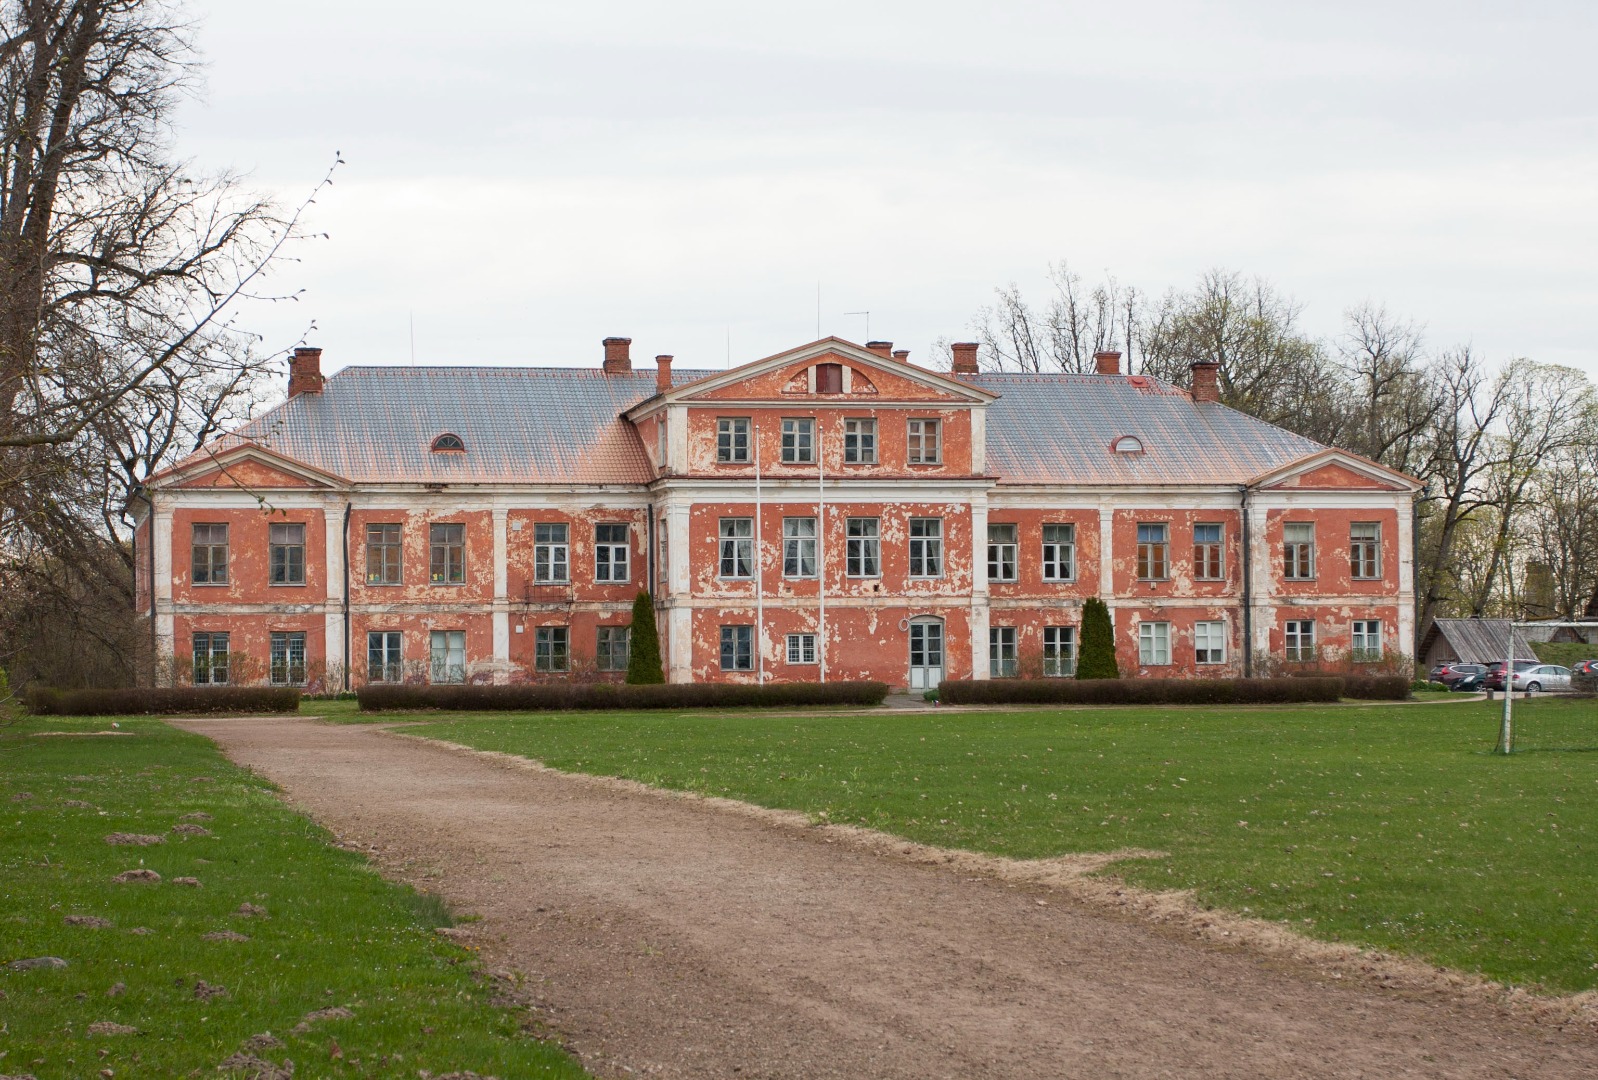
column 524, row 179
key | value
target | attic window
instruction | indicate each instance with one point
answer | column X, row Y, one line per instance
column 448, row 443
column 1127, row 444
column 829, row 378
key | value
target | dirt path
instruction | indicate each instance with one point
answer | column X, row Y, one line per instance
column 668, row 937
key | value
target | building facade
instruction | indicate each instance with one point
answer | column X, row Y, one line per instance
column 830, row 512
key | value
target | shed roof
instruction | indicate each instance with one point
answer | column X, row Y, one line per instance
column 1477, row 641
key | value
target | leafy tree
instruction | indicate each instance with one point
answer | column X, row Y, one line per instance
column 643, row 657
column 1097, row 657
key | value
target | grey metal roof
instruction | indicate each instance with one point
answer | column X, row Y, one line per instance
column 1477, row 641
column 1058, row 428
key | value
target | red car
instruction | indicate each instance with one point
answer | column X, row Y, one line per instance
column 1585, row 667
column 1495, row 672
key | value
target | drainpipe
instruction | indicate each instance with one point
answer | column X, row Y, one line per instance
column 1248, row 588
column 144, row 496
column 349, row 661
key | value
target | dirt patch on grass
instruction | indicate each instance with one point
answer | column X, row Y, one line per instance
column 674, row 935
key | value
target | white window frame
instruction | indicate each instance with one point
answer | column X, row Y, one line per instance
column 798, row 440
column 385, row 544
column 1370, row 650
column 214, row 645
column 1004, row 562
column 282, row 668
column 1298, row 553
column 1154, row 644
column 609, row 641
column 1365, row 552
column 1209, row 641
column 552, row 553
column 926, row 547
column 741, row 640
column 446, row 655
column 612, row 556
column 801, row 649
column 798, row 547
column 446, row 538
column 1059, row 551
column 859, row 441
column 1059, row 651
column 1003, row 660
column 1298, row 641
column 863, row 547
column 737, row 549
column 732, row 440
column 390, row 653
column 552, row 649
column 924, row 441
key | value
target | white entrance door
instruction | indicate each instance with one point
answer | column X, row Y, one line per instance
column 926, row 654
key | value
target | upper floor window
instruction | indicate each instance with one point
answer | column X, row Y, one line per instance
column 1059, row 552
column 829, row 378
column 1153, row 551
column 449, row 441
column 1365, row 549
column 864, row 540
column 798, row 440
column 737, row 547
column 287, row 554
column 1298, row 550
column 732, row 439
column 860, row 442
column 610, row 552
column 926, row 547
column 447, row 555
column 1001, row 553
column 925, row 444
column 383, row 552
column 210, row 659
column 551, row 553
column 287, row 658
column 209, row 566
column 799, row 547
column 1207, row 564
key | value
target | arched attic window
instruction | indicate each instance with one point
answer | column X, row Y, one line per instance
column 1126, row 444
column 448, row 443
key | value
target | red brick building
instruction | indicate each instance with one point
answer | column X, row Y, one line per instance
column 831, row 512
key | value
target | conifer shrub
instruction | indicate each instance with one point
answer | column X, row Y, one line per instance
column 643, row 655
column 1096, row 656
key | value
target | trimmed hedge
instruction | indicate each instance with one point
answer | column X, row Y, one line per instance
column 142, row 700
column 1376, row 687
column 553, row 696
column 1141, row 691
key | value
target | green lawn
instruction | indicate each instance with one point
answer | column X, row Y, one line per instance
column 1563, row 652
column 334, row 934
column 1389, row 825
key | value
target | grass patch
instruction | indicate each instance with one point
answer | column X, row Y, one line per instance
column 1389, row 825
column 334, row 932
column 1563, row 652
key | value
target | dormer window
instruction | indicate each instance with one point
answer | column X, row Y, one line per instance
column 448, row 443
column 1127, row 444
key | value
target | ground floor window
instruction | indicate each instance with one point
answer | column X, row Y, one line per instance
column 1154, row 643
column 210, row 659
column 383, row 660
column 1059, row 650
column 1209, row 642
column 611, row 649
column 288, row 658
column 448, row 656
column 551, row 650
column 737, row 648
column 801, row 648
column 1366, row 644
column 1299, row 639
column 1001, row 652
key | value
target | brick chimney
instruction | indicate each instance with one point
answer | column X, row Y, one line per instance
column 883, row 349
column 1205, row 373
column 618, row 358
column 1108, row 363
column 965, row 357
column 662, row 374
column 305, row 372
column 902, row 355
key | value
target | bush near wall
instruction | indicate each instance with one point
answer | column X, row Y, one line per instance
column 142, row 700
column 544, row 697
column 1142, row 691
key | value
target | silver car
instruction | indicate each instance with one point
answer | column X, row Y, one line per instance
column 1543, row 677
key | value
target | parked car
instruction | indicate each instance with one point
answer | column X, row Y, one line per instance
column 1467, row 678
column 1542, row 677
column 1585, row 667
column 1447, row 671
column 1495, row 672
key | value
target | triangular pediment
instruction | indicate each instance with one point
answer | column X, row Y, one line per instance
column 1336, row 470
column 248, row 467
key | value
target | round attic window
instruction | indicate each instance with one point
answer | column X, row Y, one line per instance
column 1127, row 444
column 448, row 442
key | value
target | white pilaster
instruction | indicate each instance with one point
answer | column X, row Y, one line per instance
column 980, row 612
column 679, row 644
column 1405, row 555
column 1106, row 552
column 333, row 620
column 1262, row 589
column 161, row 587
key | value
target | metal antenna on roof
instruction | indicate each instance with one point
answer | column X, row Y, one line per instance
column 867, row 314
column 818, row 311
column 413, row 338
column 729, row 346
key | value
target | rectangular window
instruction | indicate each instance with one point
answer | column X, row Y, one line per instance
column 1366, row 642
column 1154, row 643
column 610, row 651
column 860, row 442
column 1207, row 563
column 551, row 554
column 799, row 547
column 1209, row 642
column 926, row 547
column 1001, row 552
column 383, row 550
column 925, row 446
column 1001, row 652
column 286, row 550
column 209, row 555
column 732, row 439
column 551, row 648
column 448, row 654
column 829, row 378
column 384, row 664
column 210, row 658
column 1365, row 549
column 288, row 659
column 798, row 440
column 1299, row 640
column 447, row 554
column 737, row 648
column 611, row 546
column 864, row 547
column 1059, row 553
column 1153, row 551
column 1298, row 550
column 737, row 547
column 801, row 648
column 1059, row 650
